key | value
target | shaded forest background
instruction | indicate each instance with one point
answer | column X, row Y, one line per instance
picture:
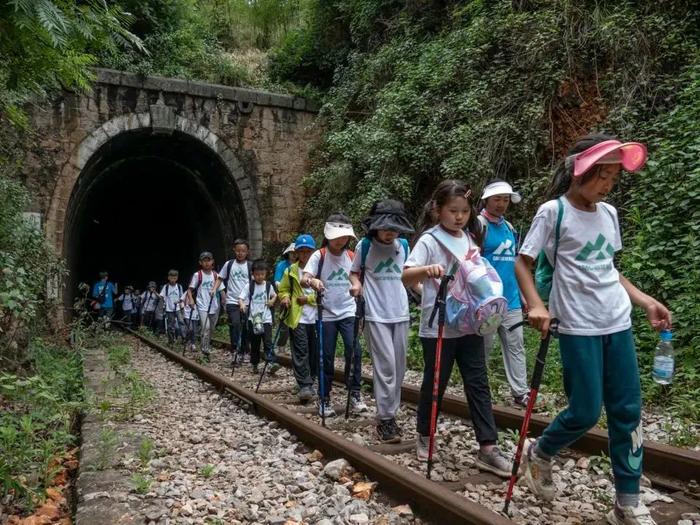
column 413, row 91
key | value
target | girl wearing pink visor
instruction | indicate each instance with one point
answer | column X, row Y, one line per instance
column 579, row 234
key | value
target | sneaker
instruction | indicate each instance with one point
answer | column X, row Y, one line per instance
column 327, row 408
column 521, row 401
column 395, row 427
column 422, row 444
column 306, row 394
column 494, row 462
column 638, row 515
column 254, row 369
column 274, row 367
column 386, row 432
column 205, row 357
column 538, row 472
column 356, row 403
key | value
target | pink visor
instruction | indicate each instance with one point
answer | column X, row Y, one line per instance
column 632, row 156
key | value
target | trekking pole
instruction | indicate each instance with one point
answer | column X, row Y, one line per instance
column 274, row 342
column 534, row 387
column 439, row 309
column 321, row 374
column 359, row 319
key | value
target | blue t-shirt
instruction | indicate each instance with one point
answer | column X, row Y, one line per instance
column 280, row 268
column 500, row 250
column 97, row 290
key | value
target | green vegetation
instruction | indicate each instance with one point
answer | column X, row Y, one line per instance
column 38, row 411
column 206, row 471
column 142, row 482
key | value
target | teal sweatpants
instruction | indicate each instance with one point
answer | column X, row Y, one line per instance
column 597, row 370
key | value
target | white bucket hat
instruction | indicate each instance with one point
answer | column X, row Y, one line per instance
column 333, row 230
column 501, row 188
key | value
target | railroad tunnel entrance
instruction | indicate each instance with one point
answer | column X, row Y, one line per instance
column 145, row 203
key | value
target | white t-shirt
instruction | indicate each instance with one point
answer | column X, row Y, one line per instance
column 258, row 306
column 309, row 314
column 337, row 302
column 127, row 301
column 189, row 313
column 587, row 296
column 238, row 279
column 149, row 301
column 171, row 294
column 204, row 292
column 429, row 251
column 386, row 300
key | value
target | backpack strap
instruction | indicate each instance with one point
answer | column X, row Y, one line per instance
column 251, row 290
column 404, row 243
column 365, row 245
column 557, row 229
column 228, row 273
column 320, row 262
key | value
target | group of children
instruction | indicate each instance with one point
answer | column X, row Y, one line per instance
column 332, row 291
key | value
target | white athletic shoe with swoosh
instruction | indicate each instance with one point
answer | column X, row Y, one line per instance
column 638, row 515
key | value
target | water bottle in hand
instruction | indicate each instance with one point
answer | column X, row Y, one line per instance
column 663, row 359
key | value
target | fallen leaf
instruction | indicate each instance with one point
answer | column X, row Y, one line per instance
column 71, row 464
column 48, row 509
column 364, row 486
column 53, row 493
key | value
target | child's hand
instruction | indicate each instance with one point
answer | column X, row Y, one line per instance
column 658, row 315
column 272, row 302
column 539, row 318
column 285, row 302
column 434, row 270
column 356, row 290
column 317, row 284
column 243, row 308
column 302, row 300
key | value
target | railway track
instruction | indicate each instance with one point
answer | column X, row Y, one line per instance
column 435, row 500
column 668, row 467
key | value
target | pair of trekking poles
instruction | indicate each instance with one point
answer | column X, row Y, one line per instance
column 440, row 310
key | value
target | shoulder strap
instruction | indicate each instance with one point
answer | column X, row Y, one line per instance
column 365, row 245
column 320, row 262
column 250, row 270
column 557, row 228
column 251, row 290
column 267, row 290
column 484, row 224
column 229, row 265
column 404, row 243
column 351, row 254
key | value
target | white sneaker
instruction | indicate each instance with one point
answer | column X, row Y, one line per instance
column 538, row 472
column 494, row 462
column 327, row 409
column 638, row 515
column 422, row 444
column 356, row 403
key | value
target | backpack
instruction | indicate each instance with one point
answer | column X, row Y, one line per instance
column 365, row 245
column 256, row 320
column 475, row 301
column 199, row 282
column 165, row 292
column 544, row 271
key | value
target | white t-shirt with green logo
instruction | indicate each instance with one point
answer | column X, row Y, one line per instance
column 386, row 300
column 586, row 295
column 309, row 313
column 237, row 281
column 337, row 302
column 258, row 305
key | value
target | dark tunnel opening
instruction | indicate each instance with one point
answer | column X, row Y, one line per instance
column 146, row 203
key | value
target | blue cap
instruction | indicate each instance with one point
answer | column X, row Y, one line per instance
column 666, row 335
column 305, row 241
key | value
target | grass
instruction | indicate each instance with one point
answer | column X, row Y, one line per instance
column 145, row 451
column 207, row 471
column 142, row 482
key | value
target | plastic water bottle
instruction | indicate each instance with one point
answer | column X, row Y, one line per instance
column 663, row 359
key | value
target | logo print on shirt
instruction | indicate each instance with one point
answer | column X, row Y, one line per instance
column 387, row 266
column 339, row 275
column 238, row 275
column 505, row 248
column 259, row 296
column 600, row 250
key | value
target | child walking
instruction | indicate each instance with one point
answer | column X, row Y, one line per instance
column 593, row 302
column 500, row 246
column 257, row 300
column 149, row 302
column 376, row 276
column 449, row 212
column 204, row 294
column 300, row 303
column 127, row 301
column 135, row 312
column 171, row 294
column 190, row 316
column 236, row 275
column 328, row 271
column 288, row 258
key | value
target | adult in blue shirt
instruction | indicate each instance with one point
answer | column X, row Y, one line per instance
column 103, row 293
column 500, row 248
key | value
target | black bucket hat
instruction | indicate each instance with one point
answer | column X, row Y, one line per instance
column 388, row 214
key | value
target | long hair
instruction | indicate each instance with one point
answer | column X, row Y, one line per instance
column 564, row 172
column 441, row 196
